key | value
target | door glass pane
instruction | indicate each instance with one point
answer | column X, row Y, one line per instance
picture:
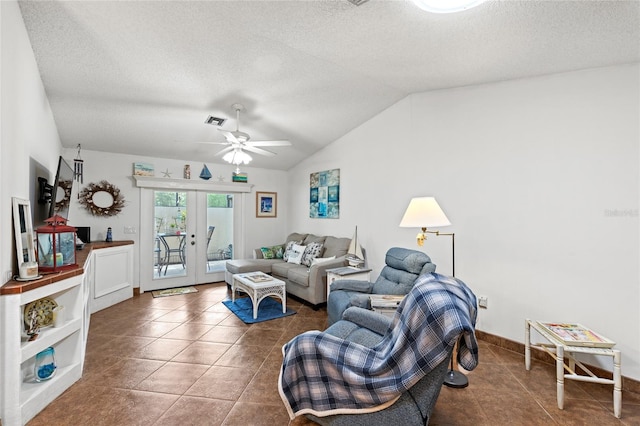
column 170, row 214
column 219, row 243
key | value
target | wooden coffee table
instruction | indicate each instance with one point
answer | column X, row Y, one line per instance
column 258, row 290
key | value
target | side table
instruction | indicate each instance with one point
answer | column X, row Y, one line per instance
column 346, row 273
column 562, row 351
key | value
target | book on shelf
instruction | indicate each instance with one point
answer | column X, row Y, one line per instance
column 259, row 278
column 573, row 334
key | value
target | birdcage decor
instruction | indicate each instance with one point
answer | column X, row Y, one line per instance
column 56, row 248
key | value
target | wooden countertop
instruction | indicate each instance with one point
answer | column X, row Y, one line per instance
column 17, row 287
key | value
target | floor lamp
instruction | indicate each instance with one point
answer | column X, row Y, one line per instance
column 424, row 212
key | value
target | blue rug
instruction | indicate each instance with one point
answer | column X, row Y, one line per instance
column 268, row 309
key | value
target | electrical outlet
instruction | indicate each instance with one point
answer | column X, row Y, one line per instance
column 7, row 276
column 129, row 229
column 483, row 302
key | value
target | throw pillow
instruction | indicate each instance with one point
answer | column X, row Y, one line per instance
column 278, row 251
column 295, row 255
column 266, row 252
column 321, row 260
column 288, row 248
column 274, row 252
column 312, row 251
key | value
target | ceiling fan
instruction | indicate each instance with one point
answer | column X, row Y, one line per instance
column 237, row 142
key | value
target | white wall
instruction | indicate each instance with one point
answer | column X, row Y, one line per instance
column 29, row 143
column 539, row 178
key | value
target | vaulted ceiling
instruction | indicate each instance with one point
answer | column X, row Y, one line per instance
column 141, row 77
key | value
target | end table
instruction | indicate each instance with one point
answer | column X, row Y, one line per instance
column 564, row 350
column 346, row 273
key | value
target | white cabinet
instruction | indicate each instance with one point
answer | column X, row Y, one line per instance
column 105, row 279
column 23, row 397
column 112, row 276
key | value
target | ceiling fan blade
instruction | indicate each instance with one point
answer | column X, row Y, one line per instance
column 224, row 151
column 259, row 150
column 214, row 143
column 269, row 143
column 230, row 136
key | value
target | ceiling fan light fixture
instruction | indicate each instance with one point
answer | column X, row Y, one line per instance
column 446, row 6
column 237, row 157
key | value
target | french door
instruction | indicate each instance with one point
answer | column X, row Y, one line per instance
column 186, row 236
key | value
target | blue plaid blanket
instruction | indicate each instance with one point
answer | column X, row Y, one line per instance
column 324, row 375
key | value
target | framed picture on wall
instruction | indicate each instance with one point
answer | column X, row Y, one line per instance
column 266, row 204
column 324, row 194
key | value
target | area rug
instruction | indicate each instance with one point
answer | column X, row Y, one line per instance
column 268, row 309
column 174, row 291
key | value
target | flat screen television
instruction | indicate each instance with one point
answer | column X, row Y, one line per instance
column 61, row 190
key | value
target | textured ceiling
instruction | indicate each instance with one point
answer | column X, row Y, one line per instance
column 141, row 77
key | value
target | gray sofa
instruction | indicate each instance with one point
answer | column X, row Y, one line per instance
column 308, row 283
column 415, row 405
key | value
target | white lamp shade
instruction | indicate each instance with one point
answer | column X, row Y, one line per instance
column 424, row 212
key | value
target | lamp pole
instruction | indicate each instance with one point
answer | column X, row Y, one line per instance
column 453, row 379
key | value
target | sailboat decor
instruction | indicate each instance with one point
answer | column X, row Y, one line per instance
column 205, row 173
column 354, row 254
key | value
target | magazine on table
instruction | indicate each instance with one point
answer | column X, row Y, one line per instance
column 259, row 278
column 385, row 300
column 573, row 334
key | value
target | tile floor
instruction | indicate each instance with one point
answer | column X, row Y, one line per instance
column 186, row 360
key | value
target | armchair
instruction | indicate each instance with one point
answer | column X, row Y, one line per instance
column 402, row 268
column 368, row 369
column 414, row 406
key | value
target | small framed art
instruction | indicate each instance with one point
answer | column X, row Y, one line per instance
column 266, row 204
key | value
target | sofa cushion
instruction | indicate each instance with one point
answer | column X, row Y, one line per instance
column 313, row 239
column 312, row 251
column 298, row 274
column 294, row 236
column 336, row 246
column 241, row 266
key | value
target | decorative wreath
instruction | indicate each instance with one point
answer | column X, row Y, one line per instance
column 86, row 199
column 66, row 186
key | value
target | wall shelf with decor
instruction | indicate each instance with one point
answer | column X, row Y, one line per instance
column 18, row 356
column 190, row 184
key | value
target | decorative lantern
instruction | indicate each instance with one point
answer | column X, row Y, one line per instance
column 56, row 245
